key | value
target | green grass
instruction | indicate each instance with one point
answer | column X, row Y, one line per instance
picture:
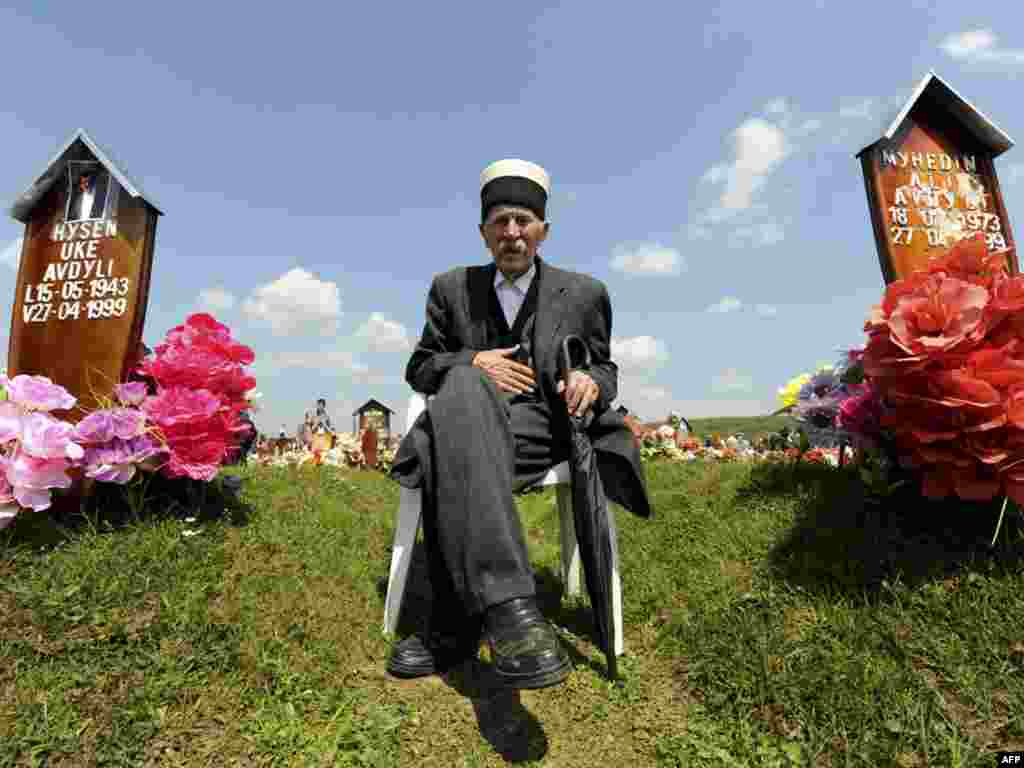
column 767, row 624
column 748, row 425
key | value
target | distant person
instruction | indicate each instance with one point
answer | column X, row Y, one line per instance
column 321, row 421
column 88, row 196
column 248, row 441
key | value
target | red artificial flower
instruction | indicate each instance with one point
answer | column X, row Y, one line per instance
column 938, row 315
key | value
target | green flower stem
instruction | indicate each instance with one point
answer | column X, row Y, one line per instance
column 999, row 524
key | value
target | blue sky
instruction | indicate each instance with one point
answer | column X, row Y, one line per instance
column 318, row 164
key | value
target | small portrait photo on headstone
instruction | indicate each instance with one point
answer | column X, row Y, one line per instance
column 90, row 193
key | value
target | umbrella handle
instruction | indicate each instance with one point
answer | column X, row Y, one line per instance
column 568, row 361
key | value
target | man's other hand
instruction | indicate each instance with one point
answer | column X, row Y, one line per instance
column 507, row 374
column 581, row 393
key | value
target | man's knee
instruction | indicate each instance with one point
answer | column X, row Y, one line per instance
column 464, row 381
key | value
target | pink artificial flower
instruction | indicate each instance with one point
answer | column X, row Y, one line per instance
column 37, row 393
column 44, row 437
column 31, row 479
column 10, row 422
column 8, row 507
column 131, row 393
column 180, row 405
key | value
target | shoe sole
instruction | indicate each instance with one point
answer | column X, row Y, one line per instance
column 532, row 682
column 409, row 673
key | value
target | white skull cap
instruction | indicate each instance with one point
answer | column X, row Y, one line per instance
column 513, row 167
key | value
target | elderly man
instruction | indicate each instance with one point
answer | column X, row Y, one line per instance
column 497, row 421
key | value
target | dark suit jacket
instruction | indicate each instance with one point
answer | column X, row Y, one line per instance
column 98, row 201
column 567, row 303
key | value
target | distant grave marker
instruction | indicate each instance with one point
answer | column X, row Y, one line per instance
column 931, row 177
column 83, row 278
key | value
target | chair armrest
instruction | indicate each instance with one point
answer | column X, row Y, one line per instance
column 417, row 404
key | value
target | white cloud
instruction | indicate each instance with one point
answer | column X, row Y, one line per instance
column 766, row 310
column 776, row 107
column 759, row 147
column 726, row 304
column 731, row 380
column 384, row 335
column 699, row 232
column 296, row 299
column 980, row 45
column 651, row 402
column 859, row 111
column 639, row 352
column 11, row 255
column 335, row 358
column 809, row 126
column 767, row 232
column 216, row 299
column 646, row 259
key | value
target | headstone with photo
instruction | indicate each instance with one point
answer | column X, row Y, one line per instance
column 931, row 179
column 84, row 273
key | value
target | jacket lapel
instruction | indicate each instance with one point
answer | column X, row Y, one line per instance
column 479, row 284
column 552, row 302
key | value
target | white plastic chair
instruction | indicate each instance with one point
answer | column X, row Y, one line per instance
column 409, row 511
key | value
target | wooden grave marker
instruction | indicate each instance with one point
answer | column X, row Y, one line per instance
column 84, row 273
column 930, row 178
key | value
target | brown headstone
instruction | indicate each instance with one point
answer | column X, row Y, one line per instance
column 83, row 278
column 931, row 178
column 369, row 445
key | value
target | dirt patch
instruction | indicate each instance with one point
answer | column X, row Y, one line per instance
column 796, row 621
column 987, row 733
column 741, row 574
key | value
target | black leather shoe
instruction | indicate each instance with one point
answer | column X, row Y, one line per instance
column 525, row 650
column 430, row 654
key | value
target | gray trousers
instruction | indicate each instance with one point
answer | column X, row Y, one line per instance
column 484, row 445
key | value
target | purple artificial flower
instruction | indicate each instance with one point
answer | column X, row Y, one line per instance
column 37, row 393
column 104, row 425
column 44, row 437
column 131, row 393
column 127, row 422
column 97, row 427
column 820, row 385
column 116, row 461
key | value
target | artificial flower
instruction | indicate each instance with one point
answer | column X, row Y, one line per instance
column 36, row 393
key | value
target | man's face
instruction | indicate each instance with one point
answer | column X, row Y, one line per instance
column 512, row 235
column 84, row 182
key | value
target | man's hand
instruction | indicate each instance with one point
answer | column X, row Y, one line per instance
column 507, row 374
column 581, row 393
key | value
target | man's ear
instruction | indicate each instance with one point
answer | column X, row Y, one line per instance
column 547, row 230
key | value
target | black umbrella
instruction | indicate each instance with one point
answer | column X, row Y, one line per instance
column 590, row 511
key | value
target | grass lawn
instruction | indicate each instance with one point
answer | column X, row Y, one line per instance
column 748, row 425
column 765, row 625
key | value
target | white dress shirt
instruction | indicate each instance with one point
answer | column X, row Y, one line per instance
column 85, row 204
column 511, row 294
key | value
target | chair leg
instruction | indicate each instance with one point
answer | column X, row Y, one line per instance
column 567, row 540
column 616, row 582
column 409, row 509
